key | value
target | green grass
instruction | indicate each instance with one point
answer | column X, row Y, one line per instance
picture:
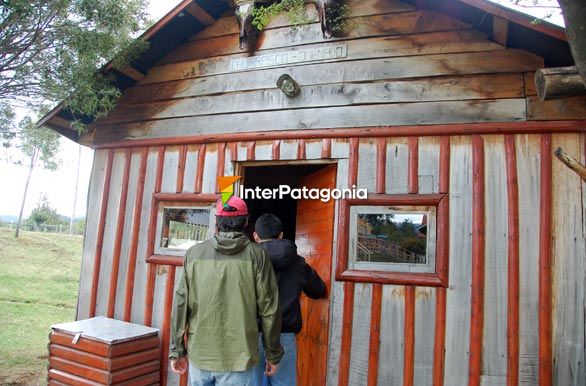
column 39, row 274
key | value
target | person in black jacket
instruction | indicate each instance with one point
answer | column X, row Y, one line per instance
column 293, row 277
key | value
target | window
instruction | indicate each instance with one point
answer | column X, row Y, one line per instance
column 184, row 227
column 179, row 221
column 394, row 239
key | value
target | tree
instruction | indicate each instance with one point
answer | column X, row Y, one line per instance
column 574, row 12
column 43, row 213
column 53, row 49
column 36, row 144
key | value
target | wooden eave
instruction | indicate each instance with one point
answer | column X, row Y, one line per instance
column 196, row 9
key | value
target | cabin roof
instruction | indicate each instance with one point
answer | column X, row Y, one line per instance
column 192, row 16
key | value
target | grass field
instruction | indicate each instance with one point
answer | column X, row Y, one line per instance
column 39, row 274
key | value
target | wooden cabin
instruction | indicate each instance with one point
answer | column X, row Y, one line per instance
column 431, row 106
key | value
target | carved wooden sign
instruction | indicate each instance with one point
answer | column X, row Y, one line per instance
column 337, row 51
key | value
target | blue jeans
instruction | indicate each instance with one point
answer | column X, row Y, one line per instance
column 199, row 377
column 287, row 372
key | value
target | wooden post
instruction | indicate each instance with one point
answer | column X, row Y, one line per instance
column 571, row 162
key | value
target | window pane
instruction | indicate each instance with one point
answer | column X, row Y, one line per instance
column 392, row 237
column 184, row 227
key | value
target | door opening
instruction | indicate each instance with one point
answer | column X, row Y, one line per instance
column 310, row 223
column 271, row 176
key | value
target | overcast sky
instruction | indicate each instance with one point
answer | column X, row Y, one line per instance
column 59, row 186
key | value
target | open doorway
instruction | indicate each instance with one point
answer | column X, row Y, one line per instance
column 271, row 176
column 310, row 223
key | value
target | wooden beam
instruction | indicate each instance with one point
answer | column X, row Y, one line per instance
column 101, row 230
column 478, row 265
column 166, row 328
column 439, row 342
column 131, row 72
column 151, row 270
column 519, row 18
column 381, row 164
column 413, row 143
column 545, row 265
column 535, row 127
column 119, row 234
column 346, row 339
column 374, row 343
column 200, row 14
column 571, row 162
column 136, row 219
column 512, row 263
column 559, row 82
column 500, row 30
column 409, row 331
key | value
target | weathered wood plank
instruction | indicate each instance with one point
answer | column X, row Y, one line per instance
column 494, row 347
column 200, row 14
column 360, row 334
column 366, row 161
column 458, row 294
column 209, row 174
column 369, row 48
column 565, row 108
column 483, row 62
column 530, row 84
column 89, row 245
column 339, row 94
column 390, row 370
column 569, row 251
column 159, row 297
column 528, row 178
column 425, row 113
column 190, row 169
column 227, row 25
column 263, row 151
column 390, row 24
column 313, row 149
column 169, row 181
column 428, row 173
column 141, row 264
column 110, row 232
column 396, row 171
column 424, row 335
column 127, row 235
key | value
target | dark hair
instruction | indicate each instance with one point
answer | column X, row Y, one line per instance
column 268, row 226
column 231, row 224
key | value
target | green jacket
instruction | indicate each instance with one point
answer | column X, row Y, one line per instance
column 227, row 290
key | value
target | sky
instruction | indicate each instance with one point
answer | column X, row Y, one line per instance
column 59, row 186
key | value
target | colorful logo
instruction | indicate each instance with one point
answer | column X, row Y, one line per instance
column 226, row 185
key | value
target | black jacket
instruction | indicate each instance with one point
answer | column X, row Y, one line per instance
column 293, row 277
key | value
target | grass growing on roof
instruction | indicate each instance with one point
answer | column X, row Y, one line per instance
column 38, row 287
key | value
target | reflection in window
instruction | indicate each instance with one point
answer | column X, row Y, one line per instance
column 184, row 227
column 392, row 237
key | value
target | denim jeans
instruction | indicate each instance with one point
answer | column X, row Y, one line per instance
column 199, row 377
column 287, row 372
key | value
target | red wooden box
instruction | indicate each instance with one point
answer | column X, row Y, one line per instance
column 107, row 352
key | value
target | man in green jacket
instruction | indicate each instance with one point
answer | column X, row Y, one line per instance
column 227, row 290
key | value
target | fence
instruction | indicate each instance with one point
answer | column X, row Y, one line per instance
column 46, row 228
